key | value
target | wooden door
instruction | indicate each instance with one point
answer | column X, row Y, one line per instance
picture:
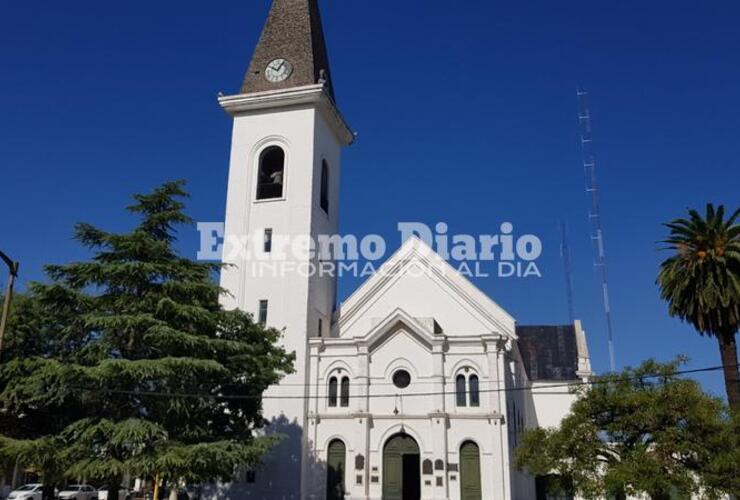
column 335, row 470
column 401, row 453
column 470, row 483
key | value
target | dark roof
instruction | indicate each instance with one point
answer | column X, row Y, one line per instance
column 549, row 352
column 293, row 31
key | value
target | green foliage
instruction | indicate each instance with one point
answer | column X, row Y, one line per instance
column 128, row 363
column 40, row 454
column 641, row 431
column 701, row 281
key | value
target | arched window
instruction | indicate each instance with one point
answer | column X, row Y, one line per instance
column 460, row 390
column 333, row 391
column 271, row 174
column 324, row 198
column 345, row 392
column 473, row 388
column 426, row 467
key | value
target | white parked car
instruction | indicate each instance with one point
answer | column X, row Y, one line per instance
column 30, row 491
column 78, row 492
column 123, row 493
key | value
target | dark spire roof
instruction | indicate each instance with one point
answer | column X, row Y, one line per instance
column 293, row 32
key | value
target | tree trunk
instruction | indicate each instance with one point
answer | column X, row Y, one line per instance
column 728, row 352
column 47, row 492
column 114, row 486
column 155, row 493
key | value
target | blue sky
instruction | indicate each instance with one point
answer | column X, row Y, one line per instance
column 466, row 113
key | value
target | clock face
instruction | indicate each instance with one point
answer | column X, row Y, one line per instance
column 278, row 70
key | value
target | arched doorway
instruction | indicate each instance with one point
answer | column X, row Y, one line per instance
column 335, row 467
column 401, row 469
column 470, row 487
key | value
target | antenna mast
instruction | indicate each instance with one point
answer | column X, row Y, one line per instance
column 565, row 255
column 594, row 213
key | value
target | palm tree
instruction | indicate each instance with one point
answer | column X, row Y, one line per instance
column 701, row 282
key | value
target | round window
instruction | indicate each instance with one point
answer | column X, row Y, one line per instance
column 401, row 379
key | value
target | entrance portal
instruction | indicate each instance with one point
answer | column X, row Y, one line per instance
column 401, row 469
column 335, row 470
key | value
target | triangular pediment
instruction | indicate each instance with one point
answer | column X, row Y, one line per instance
column 418, row 281
column 399, row 321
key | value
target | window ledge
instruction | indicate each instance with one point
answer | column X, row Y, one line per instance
column 270, row 200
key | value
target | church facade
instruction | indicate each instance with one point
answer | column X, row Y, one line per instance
column 418, row 385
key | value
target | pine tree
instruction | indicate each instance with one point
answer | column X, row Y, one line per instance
column 137, row 368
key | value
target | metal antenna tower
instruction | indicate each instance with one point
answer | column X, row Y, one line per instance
column 565, row 255
column 594, row 213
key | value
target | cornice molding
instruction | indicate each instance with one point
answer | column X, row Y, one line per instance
column 410, row 416
column 308, row 95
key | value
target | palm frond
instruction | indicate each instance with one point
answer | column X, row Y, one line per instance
column 700, row 280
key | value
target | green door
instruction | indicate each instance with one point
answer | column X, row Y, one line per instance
column 470, row 488
column 335, row 470
column 392, row 476
column 401, row 469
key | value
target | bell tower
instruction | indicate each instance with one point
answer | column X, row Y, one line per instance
column 283, row 186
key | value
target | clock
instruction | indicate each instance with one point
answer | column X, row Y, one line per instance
column 278, row 70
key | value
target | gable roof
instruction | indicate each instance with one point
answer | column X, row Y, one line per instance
column 415, row 252
column 549, row 352
column 293, row 32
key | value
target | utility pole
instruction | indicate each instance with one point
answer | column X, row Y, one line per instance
column 13, row 269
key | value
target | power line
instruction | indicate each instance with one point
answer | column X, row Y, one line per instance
column 545, row 389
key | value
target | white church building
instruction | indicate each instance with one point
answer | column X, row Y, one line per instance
column 418, row 385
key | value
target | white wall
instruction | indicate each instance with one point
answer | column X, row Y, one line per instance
column 551, row 402
column 295, row 301
column 434, row 421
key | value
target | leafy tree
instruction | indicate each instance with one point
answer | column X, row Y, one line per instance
column 641, row 431
column 131, row 366
column 34, row 407
column 701, row 282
